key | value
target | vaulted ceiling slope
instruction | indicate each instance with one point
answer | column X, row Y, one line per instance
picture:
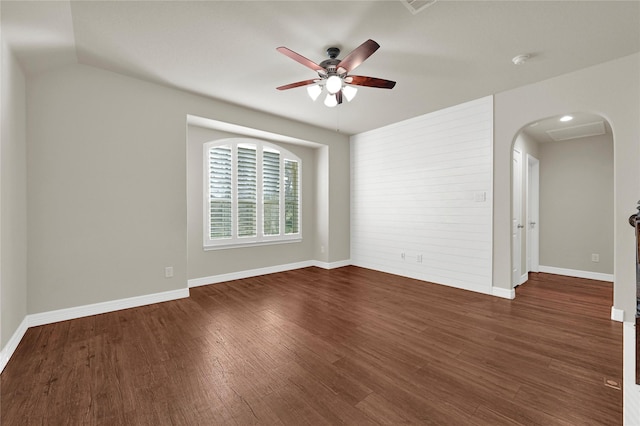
column 451, row 52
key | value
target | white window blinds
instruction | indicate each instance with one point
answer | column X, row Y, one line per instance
column 220, row 192
column 247, row 191
column 252, row 193
column 271, row 191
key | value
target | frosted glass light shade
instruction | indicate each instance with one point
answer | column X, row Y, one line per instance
column 334, row 84
column 349, row 92
column 331, row 100
column 314, row 91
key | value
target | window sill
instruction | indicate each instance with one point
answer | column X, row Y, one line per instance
column 251, row 244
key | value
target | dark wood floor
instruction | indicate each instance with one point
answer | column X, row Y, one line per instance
column 346, row 346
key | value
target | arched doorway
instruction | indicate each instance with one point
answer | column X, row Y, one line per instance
column 562, row 198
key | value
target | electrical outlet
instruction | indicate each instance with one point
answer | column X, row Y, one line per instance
column 168, row 272
column 321, row 249
column 419, row 259
column 403, row 256
column 480, row 197
column 595, row 257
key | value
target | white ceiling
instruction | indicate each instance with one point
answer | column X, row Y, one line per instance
column 581, row 125
column 451, row 52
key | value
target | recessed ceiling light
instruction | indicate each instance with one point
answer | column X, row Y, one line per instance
column 566, row 118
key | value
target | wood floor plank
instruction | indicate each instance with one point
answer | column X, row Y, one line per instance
column 313, row 346
column 384, row 412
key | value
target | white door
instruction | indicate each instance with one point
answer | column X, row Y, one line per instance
column 516, row 219
column 533, row 214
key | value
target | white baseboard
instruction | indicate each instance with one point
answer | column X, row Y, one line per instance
column 43, row 318
column 332, row 265
column 214, row 279
column 523, row 278
column 447, row 282
column 617, row 314
column 578, row 274
column 34, row 320
column 12, row 344
column 503, row 292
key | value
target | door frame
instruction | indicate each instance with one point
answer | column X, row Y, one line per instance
column 533, row 214
column 516, row 218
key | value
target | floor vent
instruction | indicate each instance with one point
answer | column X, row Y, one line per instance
column 416, row 6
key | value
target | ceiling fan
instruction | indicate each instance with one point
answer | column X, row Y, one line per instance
column 333, row 74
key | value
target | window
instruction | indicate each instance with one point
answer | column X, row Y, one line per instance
column 251, row 194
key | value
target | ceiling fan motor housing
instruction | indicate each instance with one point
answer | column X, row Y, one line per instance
column 331, row 64
column 333, row 52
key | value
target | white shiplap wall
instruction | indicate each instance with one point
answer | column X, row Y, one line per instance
column 423, row 187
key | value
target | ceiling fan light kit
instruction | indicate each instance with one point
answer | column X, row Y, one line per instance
column 349, row 92
column 314, row 91
column 331, row 100
column 333, row 74
column 334, row 84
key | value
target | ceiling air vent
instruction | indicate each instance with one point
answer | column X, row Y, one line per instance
column 581, row 131
column 416, row 6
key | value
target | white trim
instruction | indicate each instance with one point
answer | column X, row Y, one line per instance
column 617, row 314
column 533, row 214
column 12, row 344
column 503, row 293
column 523, row 278
column 516, row 217
column 214, row 279
column 578, row 274
column 332, row 265
column 34, row 320
column 431, row 279
column 630, row 390
column 294, row 239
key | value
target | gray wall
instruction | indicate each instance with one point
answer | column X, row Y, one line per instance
column 107, row 186
column 576, row 204
column 13, row 207
column 610, row 90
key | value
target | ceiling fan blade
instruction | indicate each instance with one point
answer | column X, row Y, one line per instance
column 358, row 56
column 297, row 84
column 361, row 80
column 301, row 59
